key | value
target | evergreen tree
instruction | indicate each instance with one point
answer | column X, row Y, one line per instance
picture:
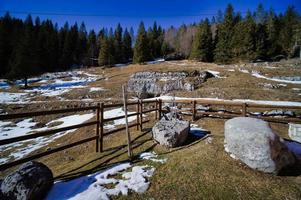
column 92, row 48
column 82, row 45
column 22, row 63
column 127, row 46
column 119, row 55
column 141, row 50
column 106, row 54
column 287, row 33
column 6, row 48
column 273, row 29
column 244, row 39
column 261, row 42
column 223, row 50
column 202, row 43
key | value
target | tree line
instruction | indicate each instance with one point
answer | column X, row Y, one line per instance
column 29, row 48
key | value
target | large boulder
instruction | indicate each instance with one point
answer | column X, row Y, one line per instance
column 253, row 142
column 148, row 84
column 31, row 181
column 171, row 132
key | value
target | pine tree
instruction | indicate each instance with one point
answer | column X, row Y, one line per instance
column 92, row 48
column 23, row 65
column 82, row 45
column 127, row 46
column 119, row 54
column 287, row 34
column 223, row 49
column 202, row 43
column 273, row 29
column 106, row 54
column 244, row 39
column 261, row 42
column 141, row 50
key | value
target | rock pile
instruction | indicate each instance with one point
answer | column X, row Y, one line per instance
column 146, row 84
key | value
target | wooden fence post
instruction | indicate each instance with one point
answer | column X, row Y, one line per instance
column 244, row 110
column 101, row 126
column 138, row 114
column 156, row 114
column 126, row 121
column 97, row 127
column 141, row 113
column 193, row 110
column 160, row 109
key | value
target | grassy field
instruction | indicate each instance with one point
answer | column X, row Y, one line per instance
column 198, row 170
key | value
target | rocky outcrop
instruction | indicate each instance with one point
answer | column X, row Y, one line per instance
column 253, row 142
column 146, row 84
column 171, row 132
column 31, row 181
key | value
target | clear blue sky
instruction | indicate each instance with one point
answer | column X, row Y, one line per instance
column 107, row 13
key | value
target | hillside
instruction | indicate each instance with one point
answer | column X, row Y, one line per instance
column 198, row 170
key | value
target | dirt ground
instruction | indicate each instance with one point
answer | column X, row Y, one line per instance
column 198, row 170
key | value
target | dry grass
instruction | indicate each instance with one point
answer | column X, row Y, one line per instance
column 196, row 171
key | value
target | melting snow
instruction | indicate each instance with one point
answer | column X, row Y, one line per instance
column 152, row 156
column 8, row 97
column 258, row 75
column 24, row 127
column 116, row 113
column 95, row 89
column 93, row 187
column 279, row 103
column 214, row 73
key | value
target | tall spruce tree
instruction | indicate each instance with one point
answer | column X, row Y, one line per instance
column 223, row 50
column 119, row 55
column 244, row 39
column 141, row 49
column 127, row 46
column 92, row 48
column 22, row 63
column 106, row 54
column 202, row 43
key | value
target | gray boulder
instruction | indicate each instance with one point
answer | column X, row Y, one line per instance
column 31, row 181
column 171, row 132
column 253, row 142
column 147, row 84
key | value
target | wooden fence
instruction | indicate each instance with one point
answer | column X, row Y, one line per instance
column 242, row 109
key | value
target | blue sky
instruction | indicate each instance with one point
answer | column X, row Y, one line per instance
column 107, row 13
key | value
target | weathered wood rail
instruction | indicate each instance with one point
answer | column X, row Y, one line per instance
column 242, row 109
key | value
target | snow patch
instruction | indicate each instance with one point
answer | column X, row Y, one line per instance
column 8, row 97
column 152, row 156
column 24, row 127
column 214, row 73
column 277, row 103
column 93, row 187
column 258, row 75
column 96, row 89
column 116, row 113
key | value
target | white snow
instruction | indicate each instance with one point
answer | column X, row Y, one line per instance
column 244, row 71
column 116, row 113
column 4, row 84
column 156, row 61
column 93, row 187
column 23, row 148
column 214, row 73
column 9, row 97
column 277, row 103
column 296, row 89
column 152, row 156
column 95, row 89
column 258, row 75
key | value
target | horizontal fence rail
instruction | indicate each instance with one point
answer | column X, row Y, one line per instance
column 242, row 109
column 99, row 122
